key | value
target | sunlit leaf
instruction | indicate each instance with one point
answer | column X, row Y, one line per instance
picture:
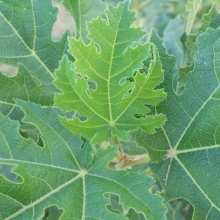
column 113, row 107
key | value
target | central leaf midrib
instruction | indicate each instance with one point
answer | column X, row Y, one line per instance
column 85, row 102
column 130, row 103
column 110, row 70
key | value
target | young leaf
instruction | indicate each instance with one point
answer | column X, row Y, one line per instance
column 82, row 12
column 111, row 106
column 64, row 173
column 190, row 139
column 26, row 37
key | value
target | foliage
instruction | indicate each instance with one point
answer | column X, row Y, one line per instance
column 113, row 122
column 114, row 61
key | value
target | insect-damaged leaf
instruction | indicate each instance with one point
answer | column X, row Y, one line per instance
column 64, row 173
column 189, row 142
column 114, row 54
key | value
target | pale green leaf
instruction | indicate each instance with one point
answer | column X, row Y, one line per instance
column 26, row 37
column 64, row 173
column 189, row 142
column 112, row 108
column 192, row 7
column 83, row 11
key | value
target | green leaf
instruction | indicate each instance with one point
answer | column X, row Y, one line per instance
column 189, row 142
column 111, row 57
column 26, row 37
column 64, row 173
column 23, row 86
column 82, row 12
column 212, row 19
column 192, row 7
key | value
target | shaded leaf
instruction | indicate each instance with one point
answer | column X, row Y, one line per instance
column 26, row 37
column 70, row 177
column 189, row 142
column 23, row 86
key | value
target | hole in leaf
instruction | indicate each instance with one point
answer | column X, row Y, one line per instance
column 8, row 70
column 122, row 81
column 180, row 209
column 82, row 118
column 116, row 207
column 63, row 23
column 92, row 85
column 5, row 170
column 97, row 48
column 28, row 130
column 52, row 213
column 84, row 141
column 139, row 116
column 68, row 114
